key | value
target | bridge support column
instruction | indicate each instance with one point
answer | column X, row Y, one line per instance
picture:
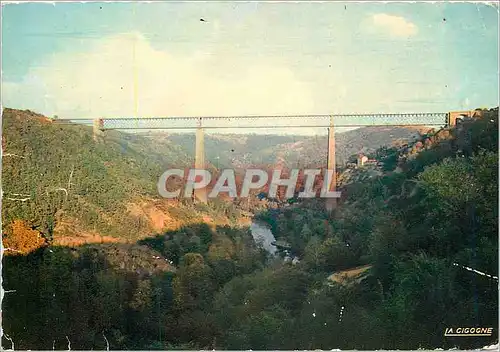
column 331, row 203
column 98, row 129
column 199, row 162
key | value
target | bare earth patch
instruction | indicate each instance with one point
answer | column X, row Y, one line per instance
column 344, row 275
column 68, row 232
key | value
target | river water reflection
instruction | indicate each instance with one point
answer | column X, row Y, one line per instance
column 262, row 234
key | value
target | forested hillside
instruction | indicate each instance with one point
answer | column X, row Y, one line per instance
column 58, row 181
column 200, row 286
column 419, row 227
column 61, row 190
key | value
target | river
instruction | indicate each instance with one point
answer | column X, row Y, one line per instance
column 262, row 234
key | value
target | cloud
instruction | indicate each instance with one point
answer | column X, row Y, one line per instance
column 396, row 26
column 122, row 75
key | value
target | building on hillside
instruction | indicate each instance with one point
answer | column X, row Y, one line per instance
column 362, row 159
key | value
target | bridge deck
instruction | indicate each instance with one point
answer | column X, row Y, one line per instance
column 271, row 121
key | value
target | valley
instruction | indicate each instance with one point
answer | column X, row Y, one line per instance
column 91, row 248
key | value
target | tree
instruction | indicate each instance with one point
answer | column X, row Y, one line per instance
column 22, row 239
column 194, row 283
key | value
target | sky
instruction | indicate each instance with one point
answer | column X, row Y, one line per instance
column 88, row 60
